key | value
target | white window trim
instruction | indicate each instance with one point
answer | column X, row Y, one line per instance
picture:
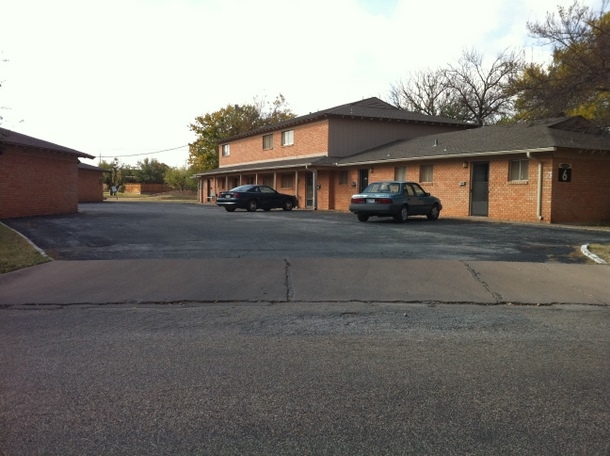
column 287, row 137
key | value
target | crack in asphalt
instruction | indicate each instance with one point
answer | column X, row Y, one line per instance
column 497, row 296
column 288, row 281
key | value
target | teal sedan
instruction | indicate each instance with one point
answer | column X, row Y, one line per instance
column 395, row 199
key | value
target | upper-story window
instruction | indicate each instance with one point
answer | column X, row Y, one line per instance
column 226, row 150
column 268, row 142
column 288, row 138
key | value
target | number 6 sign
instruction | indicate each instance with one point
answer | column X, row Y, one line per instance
column 565, row 172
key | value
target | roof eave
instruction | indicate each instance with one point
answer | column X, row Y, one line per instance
column 448, row 156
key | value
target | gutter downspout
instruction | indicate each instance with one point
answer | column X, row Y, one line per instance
column 539, row 192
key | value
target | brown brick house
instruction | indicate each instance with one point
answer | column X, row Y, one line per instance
column 551, row 171
column 37, row 177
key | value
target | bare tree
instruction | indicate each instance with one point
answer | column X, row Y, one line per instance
column 424, row 91
column 467, row 91
column 482, row 90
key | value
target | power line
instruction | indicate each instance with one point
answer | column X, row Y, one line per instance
column 143, row 153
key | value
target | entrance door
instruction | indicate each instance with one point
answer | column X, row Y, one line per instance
column 309, row 190
column 363, row 179
column 479, row 193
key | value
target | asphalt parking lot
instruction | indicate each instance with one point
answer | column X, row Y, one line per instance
column 128, row 230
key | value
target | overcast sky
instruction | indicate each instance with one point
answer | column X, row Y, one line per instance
column 125, row 78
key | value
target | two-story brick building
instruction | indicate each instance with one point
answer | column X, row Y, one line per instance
column 553, row 171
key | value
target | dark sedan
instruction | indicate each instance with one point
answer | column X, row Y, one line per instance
column 253, row 197
column 395, row 199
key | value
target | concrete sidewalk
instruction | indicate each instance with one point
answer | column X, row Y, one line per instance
column 304, row 280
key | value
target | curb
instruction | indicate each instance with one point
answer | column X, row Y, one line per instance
column 585, row 250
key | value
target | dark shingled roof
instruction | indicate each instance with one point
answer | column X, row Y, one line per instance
column 18, row 139
column 370, row 108
column 566, row 132
column 92, row 168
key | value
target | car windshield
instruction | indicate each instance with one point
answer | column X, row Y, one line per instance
column 383, row 187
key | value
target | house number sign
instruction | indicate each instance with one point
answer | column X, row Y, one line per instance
column 565, row 172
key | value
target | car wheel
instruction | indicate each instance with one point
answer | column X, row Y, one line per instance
column 252, row 205
column 229, row 209
column 287, row 205
column 434, row 213
column 363, row 218
column 402, row 215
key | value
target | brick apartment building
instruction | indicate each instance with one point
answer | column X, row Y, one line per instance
column 37, row 177
column 554, row 171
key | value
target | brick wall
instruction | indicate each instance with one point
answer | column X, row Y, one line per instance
column 37, row 183
column 452, row 183
column 310, row 139
column 90, row 186
column 586, row 199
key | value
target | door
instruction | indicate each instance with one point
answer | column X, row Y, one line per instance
column 309, row 190
column 363, row 179
column 419, row 203
column 479, row 193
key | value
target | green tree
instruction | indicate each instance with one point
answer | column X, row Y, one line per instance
column 181, row 178
column 115, row 176
column 150, row 171
column 232, row 120
column 577, row 81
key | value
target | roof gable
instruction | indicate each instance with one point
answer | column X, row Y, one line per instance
column 19, row 139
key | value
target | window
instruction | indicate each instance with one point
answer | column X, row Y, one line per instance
column 426, row 173
column 343, row 177
column 267, row 142
column 226, row 151
column 287, row 181
column 400, row 173
column 519, row 170
column 288, row 138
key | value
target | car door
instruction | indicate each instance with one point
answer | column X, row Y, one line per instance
column 269, row 197
column 413, row 200
column 424, row 200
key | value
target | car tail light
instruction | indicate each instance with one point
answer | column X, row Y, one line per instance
column 233, row 195
column 358, row 200
column 383, row 200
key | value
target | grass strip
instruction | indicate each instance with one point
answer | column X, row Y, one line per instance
column 16, row 252
column 601, row 250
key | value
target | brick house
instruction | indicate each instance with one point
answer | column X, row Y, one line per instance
column 90, row 183
column 553, row 171
column 37, row 177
